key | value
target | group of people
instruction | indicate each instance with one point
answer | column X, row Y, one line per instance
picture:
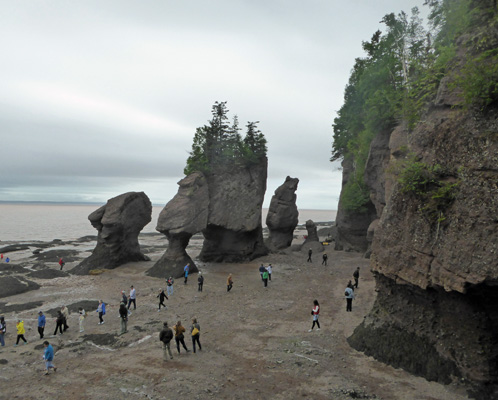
column 349, row 294
column 265, row 273
column 178, row 332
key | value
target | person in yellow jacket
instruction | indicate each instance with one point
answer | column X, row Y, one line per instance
column 20, row 332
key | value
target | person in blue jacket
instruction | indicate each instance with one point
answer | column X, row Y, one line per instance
column 41, row 324
column 185, row 273
column 101, row 311
column 48, row 356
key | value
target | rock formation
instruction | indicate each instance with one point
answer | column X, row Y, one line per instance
column 434, row 254
column 312, row 241
column 118, row 223
column 185, row 215
column 282, row 216
column 234, row 232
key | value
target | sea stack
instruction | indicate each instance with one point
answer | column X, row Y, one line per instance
column 119, row 223
column 283, row 215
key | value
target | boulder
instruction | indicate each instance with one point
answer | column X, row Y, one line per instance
column 312, row 232
column 118, row 223
column 282, row 216
column 12, row 285
column 183, row 216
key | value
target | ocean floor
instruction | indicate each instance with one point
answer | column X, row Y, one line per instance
column 255, row 340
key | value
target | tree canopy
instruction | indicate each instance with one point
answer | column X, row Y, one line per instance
column 220, row 145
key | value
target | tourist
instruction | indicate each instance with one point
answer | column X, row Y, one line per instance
column 165, row 337
column 169, row 285
column 324, row 259
column 59, row 323
column 41, row 324
column 356, row 276
column 101, row 311
column 200, row 281
column 179, row 337
column 349, row 293
column 3, row 329
column 315, row 312
column 161, row 297
column 185, row 273
column 123, row 314
column 265, row 278
column 65, row 313
column 310, row 252
column 269, row 268
column 48, row 356
column 350, row 285
column 229, row 282
column 61, row 263
column 82, row 317
column 195, row 331
column 261, row 270
column 124, row 299
column 20, row 332
column 133, row 298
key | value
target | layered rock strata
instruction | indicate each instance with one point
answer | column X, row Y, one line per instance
column 118, row 223
column 283, row 215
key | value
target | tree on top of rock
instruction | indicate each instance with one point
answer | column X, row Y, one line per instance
column 219, row 144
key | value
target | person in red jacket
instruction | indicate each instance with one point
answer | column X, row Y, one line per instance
column 315, row 312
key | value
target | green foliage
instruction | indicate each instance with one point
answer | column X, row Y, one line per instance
column 417, row 177
column 355, row 196
column 220, row 144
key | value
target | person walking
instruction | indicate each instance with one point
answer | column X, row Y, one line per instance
column 20, row 332
column 41, row 324
column 185, row 273
column 229, row 282
column 195, row 331
column 349, row 293
column 161, row 296
column 200, row 281
column 123, row 314
column 3, row 330
column 324, row 259
column 82, row 316
column 124, row 299
column 48, row 356
column 132, row 298
column 315, row 312
column 179, row 337
column 61, row 263
column 165, row 337
column 261, row 270
column 59, row 323
column 350, row 285
column 65, row 313
column 356, row 276
column 101, row 311
column 169, row 285
column 310, row 252
column 269, row 268
column 265, row 278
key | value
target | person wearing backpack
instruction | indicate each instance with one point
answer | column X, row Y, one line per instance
column 265, row 278
column 349, row 293
column 3, row 329
column 195, row 331
column 165, row 337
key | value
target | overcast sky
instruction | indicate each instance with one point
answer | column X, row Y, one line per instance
column 98, row 98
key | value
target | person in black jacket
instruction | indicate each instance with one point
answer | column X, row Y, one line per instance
column 123, row 314
column 161, row 296
column 59, row 322
column 165, row 336
column 200, row 281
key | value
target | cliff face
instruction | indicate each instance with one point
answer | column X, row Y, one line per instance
column 435, row 251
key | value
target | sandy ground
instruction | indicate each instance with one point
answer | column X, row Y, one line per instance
column 255, row 340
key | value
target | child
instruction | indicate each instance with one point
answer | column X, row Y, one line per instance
column 48, row 356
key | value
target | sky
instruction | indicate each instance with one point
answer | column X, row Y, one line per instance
column 99, row 98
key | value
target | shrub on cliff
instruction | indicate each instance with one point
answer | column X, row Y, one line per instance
column 220, row 145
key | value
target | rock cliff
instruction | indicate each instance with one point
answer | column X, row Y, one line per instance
column 283, row 215
column 119, row 223
column 435, row 246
